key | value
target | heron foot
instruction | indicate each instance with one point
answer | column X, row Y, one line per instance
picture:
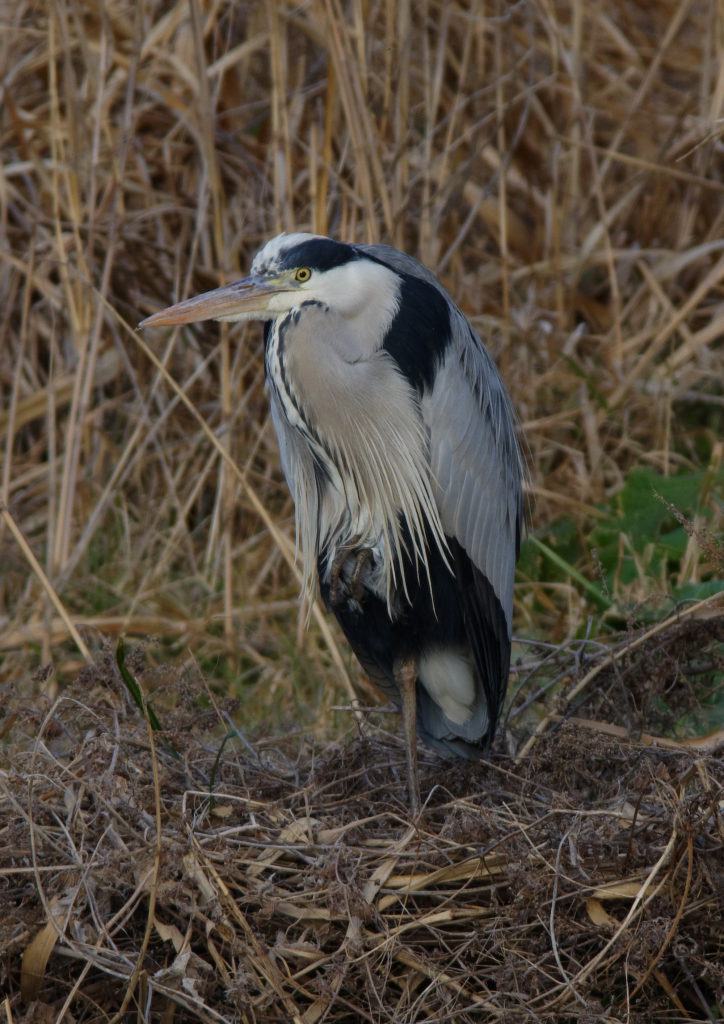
column 339, row 588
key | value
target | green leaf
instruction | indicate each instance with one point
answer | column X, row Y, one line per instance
column 598, row 596
column 135, row 691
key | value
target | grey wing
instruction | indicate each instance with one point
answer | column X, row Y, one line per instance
column 476, row 461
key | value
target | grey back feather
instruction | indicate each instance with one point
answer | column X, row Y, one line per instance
column 475, row 459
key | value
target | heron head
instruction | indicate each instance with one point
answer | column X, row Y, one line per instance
column 287, row 272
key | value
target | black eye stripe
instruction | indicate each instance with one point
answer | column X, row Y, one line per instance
column 318, row 254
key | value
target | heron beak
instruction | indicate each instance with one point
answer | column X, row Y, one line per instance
column 242, row 300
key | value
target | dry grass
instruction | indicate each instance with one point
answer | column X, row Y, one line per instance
column 180, row 876
column 560, row 166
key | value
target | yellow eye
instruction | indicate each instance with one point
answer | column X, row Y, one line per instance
column 303, row 274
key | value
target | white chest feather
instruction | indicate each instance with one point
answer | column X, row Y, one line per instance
column 353, row 444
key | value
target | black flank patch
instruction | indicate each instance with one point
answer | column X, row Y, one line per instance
column 319, row 254
column 420, row 332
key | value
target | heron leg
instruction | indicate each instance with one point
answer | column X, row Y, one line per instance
column 406, row 678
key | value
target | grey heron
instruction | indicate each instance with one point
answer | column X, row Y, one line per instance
column 398, row 444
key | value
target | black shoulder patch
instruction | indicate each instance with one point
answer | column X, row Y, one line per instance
column 319, row 254
column 420, row 332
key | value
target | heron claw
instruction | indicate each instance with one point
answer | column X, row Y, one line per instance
column 339, row 588
column 362, row 560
